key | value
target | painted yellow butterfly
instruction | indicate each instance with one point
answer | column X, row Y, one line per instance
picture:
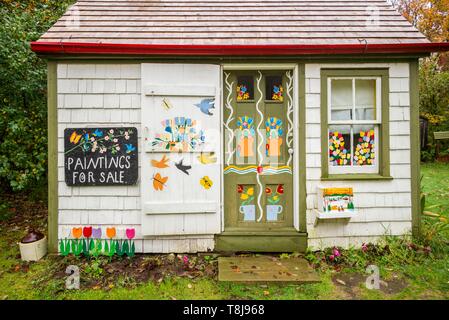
column 206, row 182
column 75, row 138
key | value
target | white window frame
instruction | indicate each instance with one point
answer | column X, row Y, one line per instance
column 348, row 169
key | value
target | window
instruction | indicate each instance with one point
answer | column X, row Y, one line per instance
column 355, row 127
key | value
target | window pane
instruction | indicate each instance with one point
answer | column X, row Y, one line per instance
column 245, row 139
column 339, row 145
column 275, row 200
column 341, row 99
column 245, row 88
column 246, row 202
column 364, row 145
column 274, row 90
column 365, row 99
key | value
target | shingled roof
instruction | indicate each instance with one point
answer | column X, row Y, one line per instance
column 222, row 24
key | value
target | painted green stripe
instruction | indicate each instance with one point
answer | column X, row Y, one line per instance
column 52, row 157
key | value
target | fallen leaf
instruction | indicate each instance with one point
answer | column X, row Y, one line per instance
column 341, row 282
column 266, row 293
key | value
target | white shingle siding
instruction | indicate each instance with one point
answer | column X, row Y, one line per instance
column 384, row 207
column 105, row 95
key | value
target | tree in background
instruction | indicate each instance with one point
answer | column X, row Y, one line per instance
column 23, row 111
column 431, row 17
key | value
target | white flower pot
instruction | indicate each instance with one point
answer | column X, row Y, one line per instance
column 33, row 251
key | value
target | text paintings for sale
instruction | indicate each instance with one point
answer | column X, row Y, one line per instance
column 100, row 156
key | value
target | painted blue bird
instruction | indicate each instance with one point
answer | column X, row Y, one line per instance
column 130, row 148
column 205, row 105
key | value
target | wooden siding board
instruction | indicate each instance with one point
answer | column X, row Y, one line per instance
column 222, row 22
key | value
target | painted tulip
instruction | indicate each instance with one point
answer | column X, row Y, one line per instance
column 87, row 232
column 77, row 232
column 96, row 233
column 130, row 233
column 280, row 189
column 259, row 169
column 267, row 190
column 111, row 232
column 239, row 188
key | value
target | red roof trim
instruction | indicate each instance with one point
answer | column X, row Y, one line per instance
column 231, row 50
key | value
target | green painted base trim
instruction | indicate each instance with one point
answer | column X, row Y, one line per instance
column 278, row 242
column 332, row 177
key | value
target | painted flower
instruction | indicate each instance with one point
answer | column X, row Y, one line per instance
column 280, row 189
column 111, row 232
column 106, row 138
column 77, row 232
column 130, row 233
column 111, row 131
column 239, row 188
column 96, row 233
column 87, row 232
column 98, row 133
column 268, row 190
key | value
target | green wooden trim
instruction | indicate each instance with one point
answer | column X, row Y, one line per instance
column 384, row 135
column 414, row 148
column 52, row 119
column 288, row 242
column 355, row 176
column 302, row 148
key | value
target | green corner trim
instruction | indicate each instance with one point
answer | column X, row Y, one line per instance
column 302, row 149
column 415, row 148
column 384, row 135
column 52, row 119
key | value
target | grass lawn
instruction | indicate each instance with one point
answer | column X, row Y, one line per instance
column 409, row 270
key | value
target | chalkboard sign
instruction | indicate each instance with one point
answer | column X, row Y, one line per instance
column 100, row 156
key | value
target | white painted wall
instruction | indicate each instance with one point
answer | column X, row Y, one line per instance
column 106, row 95
column 384, row 207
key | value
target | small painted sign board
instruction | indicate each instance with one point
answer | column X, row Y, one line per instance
column 100, row 156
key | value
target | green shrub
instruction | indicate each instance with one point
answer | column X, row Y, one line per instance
column 434, row 101
column 23, row 124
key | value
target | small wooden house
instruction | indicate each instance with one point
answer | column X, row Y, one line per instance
column 252, row 125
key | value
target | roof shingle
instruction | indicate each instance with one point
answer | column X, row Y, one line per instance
column 233, row 22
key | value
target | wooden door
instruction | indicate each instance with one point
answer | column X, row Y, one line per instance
column 258, row 145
